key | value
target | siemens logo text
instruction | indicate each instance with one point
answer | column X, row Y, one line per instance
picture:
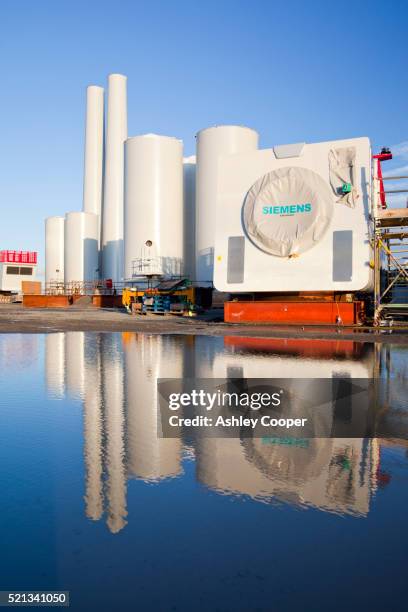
column 290, row 209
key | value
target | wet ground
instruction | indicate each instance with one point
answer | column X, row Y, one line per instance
column 93, row 501
column 15, row 318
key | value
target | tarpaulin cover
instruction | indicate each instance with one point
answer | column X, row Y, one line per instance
column 341, row 165
column 287, row 211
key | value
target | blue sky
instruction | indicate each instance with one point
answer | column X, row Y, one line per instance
column 295, row 71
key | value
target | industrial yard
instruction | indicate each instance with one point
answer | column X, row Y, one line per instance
column 204, row 306
column 298, row 234
column 292, row 235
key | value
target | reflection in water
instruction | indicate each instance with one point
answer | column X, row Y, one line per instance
column 113, row 407
column 336, row 474
column 75, row 363
column 333, row 474
column 148, row 358
column 93, row 430
column 55, row 363
column 116, row 377
column 18, row 351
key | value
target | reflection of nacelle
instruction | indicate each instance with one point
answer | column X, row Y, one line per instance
column 331, row 474
column 305, row 361
column 269, row 358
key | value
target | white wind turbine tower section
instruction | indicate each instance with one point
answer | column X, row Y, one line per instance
column 212, row 143
column 81, row 247
column 154, row 240
column 54, row 249
column 189, row 195
column 93, row 162
column 112, row 216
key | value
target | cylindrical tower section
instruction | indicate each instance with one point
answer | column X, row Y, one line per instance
column 81, row 247
column 211, row 144
column 189, row 191
column 93, row 162
column 54, row 250
column 154, row 234
column 112, row 216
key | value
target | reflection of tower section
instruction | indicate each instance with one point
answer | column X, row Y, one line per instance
column 75, row 363
column 147, row 359
column 55, row 363
column 93, row 429
column 207, row 350
column 112, row 377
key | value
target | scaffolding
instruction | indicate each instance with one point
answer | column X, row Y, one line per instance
column 390, row 246
column 155, row 266
column 96, row 287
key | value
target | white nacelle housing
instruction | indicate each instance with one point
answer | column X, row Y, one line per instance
column 294, row 218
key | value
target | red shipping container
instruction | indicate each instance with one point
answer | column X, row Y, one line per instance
column 8, row 256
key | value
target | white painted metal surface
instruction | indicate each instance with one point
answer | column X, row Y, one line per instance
column 81, row 247
column 212, row 143
column 322, row 266
column 153, row 206
column 93, row 163
column 112, row 216
column 189, row 194
column 54, row 249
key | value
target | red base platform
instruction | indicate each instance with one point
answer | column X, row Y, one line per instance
column 295, row 313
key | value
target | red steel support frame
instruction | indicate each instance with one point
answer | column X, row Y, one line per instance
column 295, row 313
column 380, row 158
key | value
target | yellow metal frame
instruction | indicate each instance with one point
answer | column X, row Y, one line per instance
column 130, row 294
column 389, row 246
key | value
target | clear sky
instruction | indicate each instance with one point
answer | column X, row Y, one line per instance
column 294, row 71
